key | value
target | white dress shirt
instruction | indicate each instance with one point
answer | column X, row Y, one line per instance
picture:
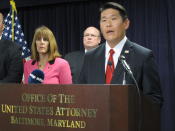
column 118, row 48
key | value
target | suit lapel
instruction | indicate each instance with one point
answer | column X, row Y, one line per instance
column 119, row 71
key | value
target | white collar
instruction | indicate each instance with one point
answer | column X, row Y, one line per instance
column 118, row 48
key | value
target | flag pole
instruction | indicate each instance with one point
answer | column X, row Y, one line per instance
column 13, row 7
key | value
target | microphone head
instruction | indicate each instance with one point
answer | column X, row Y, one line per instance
column 121, row 57
column 36, row 77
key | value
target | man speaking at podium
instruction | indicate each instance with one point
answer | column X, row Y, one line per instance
column 112, row 60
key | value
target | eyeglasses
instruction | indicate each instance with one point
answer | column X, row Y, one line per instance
column 90, row 35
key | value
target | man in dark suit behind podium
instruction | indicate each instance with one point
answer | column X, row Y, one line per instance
column 104, row 60
column 91, row 39
column 11, row 65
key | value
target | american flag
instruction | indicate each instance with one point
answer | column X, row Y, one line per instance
column 18, row 33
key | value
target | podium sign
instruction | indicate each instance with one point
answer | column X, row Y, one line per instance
column 68, row 108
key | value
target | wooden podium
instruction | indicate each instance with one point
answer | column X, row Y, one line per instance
column 75, row 108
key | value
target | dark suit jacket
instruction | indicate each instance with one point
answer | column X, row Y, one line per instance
column 141, row 62
column 75, row 60
column 11, row 64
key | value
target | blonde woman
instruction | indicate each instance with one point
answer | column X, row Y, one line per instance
column 45, row 56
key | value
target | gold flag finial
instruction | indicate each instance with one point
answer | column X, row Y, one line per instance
column 12, row 3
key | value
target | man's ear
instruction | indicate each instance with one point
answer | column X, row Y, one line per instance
column 127, row 23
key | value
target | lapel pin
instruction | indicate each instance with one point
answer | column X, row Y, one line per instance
column 126, row 51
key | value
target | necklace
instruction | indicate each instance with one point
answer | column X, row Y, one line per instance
column 41, row 65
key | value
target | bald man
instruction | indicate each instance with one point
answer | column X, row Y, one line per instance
column 1, row 24
column 91, row 40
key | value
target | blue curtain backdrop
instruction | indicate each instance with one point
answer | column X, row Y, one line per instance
column 152, row 25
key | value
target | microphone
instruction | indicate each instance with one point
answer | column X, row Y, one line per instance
column 36, row 77
column 125, row 65
column 128, row 70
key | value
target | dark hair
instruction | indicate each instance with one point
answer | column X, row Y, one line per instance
column 115, row 6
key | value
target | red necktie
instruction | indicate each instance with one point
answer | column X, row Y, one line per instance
column 110, row 67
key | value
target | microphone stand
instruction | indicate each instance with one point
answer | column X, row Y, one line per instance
column 124, row 78
column 128, row 70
